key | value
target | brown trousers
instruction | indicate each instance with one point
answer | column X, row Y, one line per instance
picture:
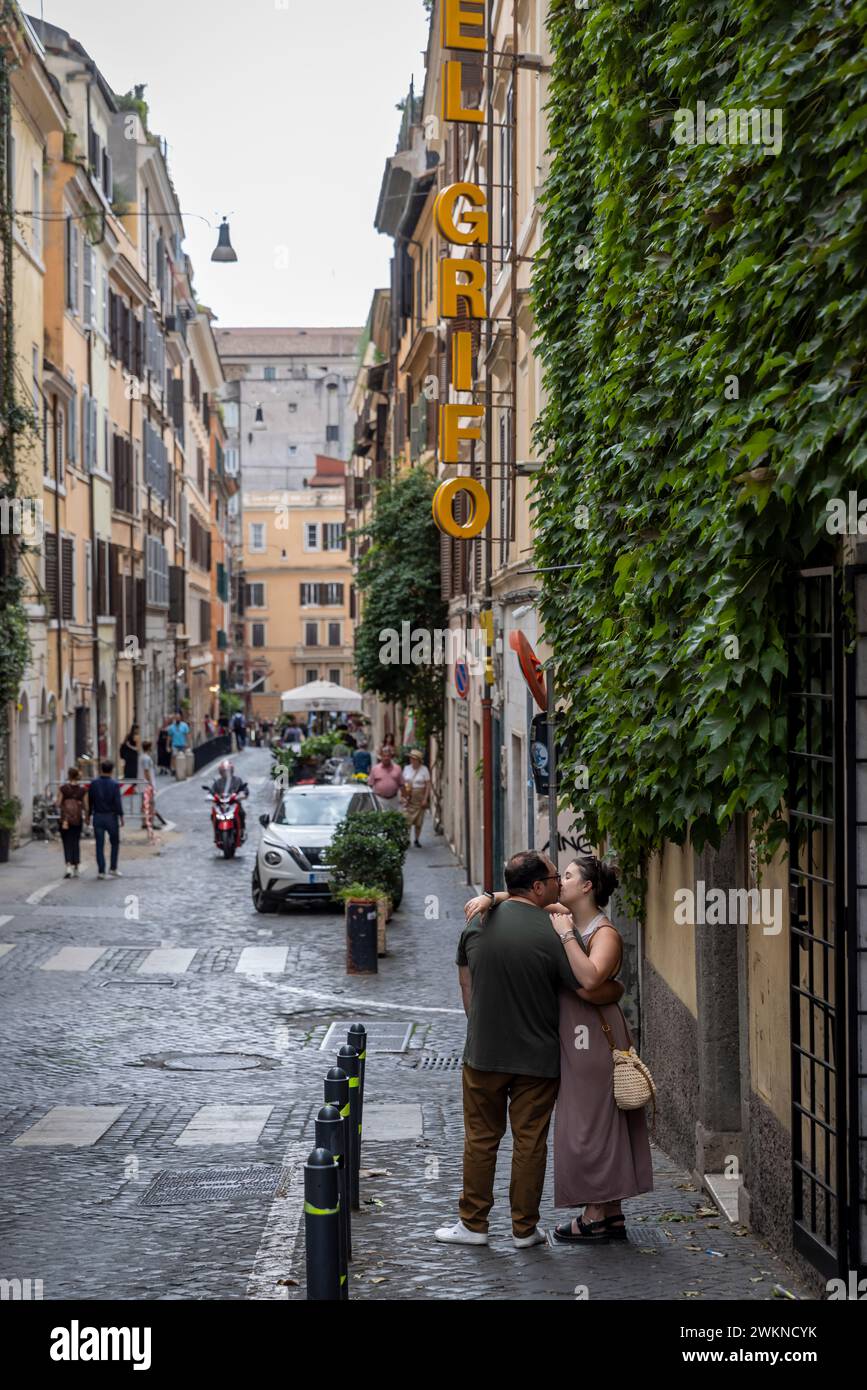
column 529, row 1101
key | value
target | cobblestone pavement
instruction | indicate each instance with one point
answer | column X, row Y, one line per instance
column 156, row 1107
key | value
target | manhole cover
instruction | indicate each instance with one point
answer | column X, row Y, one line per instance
column 441, row 1063
column 209, row 1061
column 177, row 1188
column 381, row 1037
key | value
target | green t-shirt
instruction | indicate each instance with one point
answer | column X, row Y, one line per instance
column 518, row 967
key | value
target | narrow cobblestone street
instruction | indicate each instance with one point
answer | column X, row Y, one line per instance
column 163, row 1069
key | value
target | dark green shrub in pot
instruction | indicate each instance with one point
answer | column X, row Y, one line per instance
column 365, row 850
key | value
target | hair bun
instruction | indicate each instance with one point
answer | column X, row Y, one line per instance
column 608, row 881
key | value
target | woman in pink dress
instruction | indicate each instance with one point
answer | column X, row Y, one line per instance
column 601, row 1153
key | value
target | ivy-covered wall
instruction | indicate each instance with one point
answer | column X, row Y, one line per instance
column 701, row 318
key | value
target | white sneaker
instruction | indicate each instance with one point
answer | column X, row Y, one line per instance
column 115, row 873
column 524, row 1242
column 68, row 873
column 459, row 1234
column 100, row 875
column 75, row 871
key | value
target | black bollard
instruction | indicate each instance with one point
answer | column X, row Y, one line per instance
column 347, row 1058
column 322, row 1227
column 357, row 1038
column 329, row 1135
column 336, row 1088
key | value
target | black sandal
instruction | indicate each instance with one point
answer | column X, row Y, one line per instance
column 597, row 1232
column 616, row 1232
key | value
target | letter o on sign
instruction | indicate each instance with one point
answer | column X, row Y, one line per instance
column 443, row 502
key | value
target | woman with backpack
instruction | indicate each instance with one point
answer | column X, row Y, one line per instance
column 70, row 800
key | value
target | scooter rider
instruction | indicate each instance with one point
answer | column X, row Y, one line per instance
column 226, row 783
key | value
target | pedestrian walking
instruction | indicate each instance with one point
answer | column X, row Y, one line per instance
column 106, row 808
column 239, row 729
column 129, row 753
column 415, row 790
column 71, row 804
column 512, row 968
column 178, row 732
column 601, row 1153
column 386, row 779
column 164, row 751
column 148, row 800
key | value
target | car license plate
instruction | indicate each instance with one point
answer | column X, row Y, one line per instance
column 319, row 876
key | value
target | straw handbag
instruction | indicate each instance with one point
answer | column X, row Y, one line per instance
column 633, row 1084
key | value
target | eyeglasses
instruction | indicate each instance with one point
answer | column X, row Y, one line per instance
column 558, row 877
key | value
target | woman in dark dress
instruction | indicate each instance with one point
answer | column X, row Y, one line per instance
column 71, row 800
column 129, row 755
column 601, row 1153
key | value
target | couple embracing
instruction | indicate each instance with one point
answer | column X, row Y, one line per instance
column 536, row 967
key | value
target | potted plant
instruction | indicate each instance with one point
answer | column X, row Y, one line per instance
column 10, row 810
column 369, row 847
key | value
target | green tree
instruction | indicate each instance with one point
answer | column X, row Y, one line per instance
column 399, row 580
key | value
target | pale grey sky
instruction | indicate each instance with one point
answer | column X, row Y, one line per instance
column 280, row 113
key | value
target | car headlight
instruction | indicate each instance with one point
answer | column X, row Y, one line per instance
column 272, row 858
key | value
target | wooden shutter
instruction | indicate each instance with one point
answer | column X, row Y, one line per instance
column 67, row 578
column 51, row 603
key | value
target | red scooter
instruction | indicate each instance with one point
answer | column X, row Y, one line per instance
column 226, row 820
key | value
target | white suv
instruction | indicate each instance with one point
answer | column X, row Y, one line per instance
column 292, row 858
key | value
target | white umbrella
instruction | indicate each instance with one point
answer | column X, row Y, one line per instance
column 320, row 695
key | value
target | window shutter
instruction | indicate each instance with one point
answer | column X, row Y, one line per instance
column 94, row 432
column 72, row 428
column 74, row 267
column 51, row 574
column 88, row 284
column 68, row 256
column 85, row 429
column 67, row 578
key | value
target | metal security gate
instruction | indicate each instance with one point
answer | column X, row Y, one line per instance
column 856, row 815
column 817, row 905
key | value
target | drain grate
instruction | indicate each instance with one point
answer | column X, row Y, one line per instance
column 179, row 1187
column 451, row 1063
column 381, row 1036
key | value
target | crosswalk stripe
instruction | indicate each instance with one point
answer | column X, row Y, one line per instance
column 78, row 1126
column 74, row 958
column 4, row 950
column 167, row 960
column 6, row 918
column 225, row 1124
column 262, row 960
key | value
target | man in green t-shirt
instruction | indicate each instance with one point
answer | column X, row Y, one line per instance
column 512, row 967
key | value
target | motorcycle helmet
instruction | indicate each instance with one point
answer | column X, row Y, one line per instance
column 226, row 768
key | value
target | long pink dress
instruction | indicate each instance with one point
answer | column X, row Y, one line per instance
column 600, row 1153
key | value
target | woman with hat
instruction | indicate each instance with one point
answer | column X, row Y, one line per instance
column 415, row 792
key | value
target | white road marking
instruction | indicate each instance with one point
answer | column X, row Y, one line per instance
column 262, row 960
column 382, row 1122
column 361, row 1003
column 275, row 1258
column 167, row 960
column 4, row 920
column 74, row 958
column 43, row 892
column 76, row 1125
column 4, row 950
column 225, row 1124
